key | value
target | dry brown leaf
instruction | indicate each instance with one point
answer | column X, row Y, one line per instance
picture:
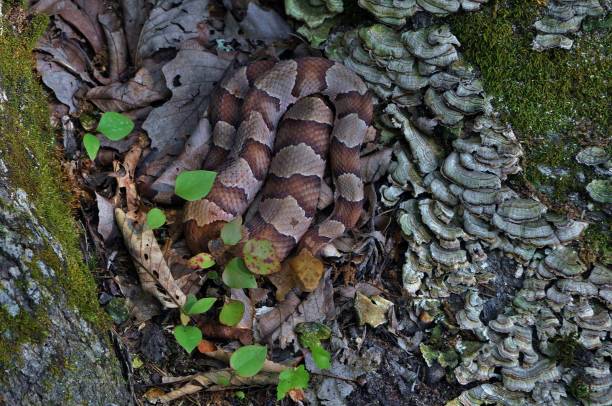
column 279, row 322
column 137, row 92
column 215, row 330
column 297, row 395
column 153, row 271
column 115, row 43
column 269, row 322
column 307, row 270
column 154, row 394
column 196, row 147
column 215, row 380
column 124, row 173
column 81, row 14
column 206, row 346
column 106, row 218
column 283, row 281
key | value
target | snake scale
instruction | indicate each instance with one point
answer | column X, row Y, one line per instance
column 252, row 145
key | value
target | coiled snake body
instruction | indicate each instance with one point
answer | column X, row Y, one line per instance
column 249, row 147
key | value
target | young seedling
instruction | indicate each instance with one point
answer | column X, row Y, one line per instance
column 292, row 379
column 310, row 335
column 189, row 337
column 114, row 126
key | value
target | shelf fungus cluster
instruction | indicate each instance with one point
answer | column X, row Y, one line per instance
column 564, row 17
column 320, row 16
column 396, row 12
column 548, row 341
column 552, row 346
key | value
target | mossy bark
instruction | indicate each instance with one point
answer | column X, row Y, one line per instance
column 54, row 347
column 56, row 357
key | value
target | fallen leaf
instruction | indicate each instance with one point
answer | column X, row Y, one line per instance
column 125, row 175
column 307, row 270
column 190, row 76
column 202, row 260
column 219, row 379
column 260, row 257
column 215, row 330
column 154, row 394
column 135, row 13
column 117, row 60
column 260, row 23
column 206, row 346
column 139, row 91
column 170, row 24
column 280, row 322
column 82, row 14
column 161, row 190
column 246, row 322
column 371, row 310
column 106, row 218
column 63, row 84
column 150, row 263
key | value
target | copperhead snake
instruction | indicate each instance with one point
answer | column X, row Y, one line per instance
column 250, row 145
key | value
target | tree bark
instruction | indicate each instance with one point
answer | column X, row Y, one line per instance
column 59, row 358
column 73, row 363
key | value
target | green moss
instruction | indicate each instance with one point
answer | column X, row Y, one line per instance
column 580, row 390
column 565, row 349
column 555, row 100
column 27, row 139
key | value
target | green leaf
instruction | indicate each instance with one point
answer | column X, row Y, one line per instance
column 223, row 380
column 198, row 306
column 231, row 233
column 240, row 395
column 294, row 378
column 236, row 275
column 321, row 357
column 188, row 337
column 260, row 257
column 213, row 275
column 248, row 360
column 92, row 145
column 231, row 313
column 194, row 185
column 191, row 299
column 155, row 218
column 202, row 260
column 115, row 126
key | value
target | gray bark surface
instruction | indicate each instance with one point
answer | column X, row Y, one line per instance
column 73, row 364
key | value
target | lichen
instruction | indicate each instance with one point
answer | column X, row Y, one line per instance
column 30, row 154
